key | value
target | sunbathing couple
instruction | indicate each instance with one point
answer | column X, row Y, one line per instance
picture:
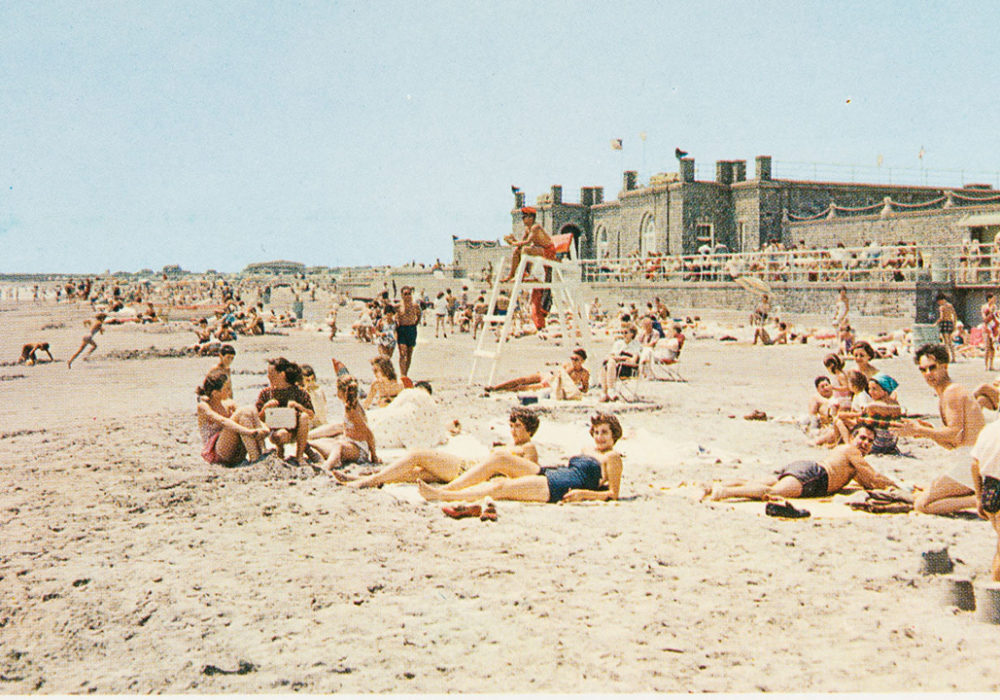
column 593, row 475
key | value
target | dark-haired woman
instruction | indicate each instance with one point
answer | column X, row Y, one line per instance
column 228, row 433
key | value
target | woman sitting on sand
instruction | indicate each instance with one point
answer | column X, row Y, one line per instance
column 863, row 354
column 228, row 433
column 593, row 476
column 443, row 466
column 356, row 443
column 386, row 386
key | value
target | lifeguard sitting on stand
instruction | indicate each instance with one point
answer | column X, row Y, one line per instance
column 535, row 242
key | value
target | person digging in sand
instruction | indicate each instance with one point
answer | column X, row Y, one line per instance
column 594, row 475
column 442, row 466
column 809, row 479
column 28, row 353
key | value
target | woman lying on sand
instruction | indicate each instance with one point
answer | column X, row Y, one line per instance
column 438, row 465
column 356, row 443
column 228, row 433
column 593, row 476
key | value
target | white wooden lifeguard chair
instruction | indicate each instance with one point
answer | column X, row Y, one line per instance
column 565, row 287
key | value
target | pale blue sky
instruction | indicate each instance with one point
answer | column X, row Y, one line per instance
column 213, row 134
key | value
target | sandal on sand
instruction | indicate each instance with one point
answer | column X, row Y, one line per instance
column 460, row 511
column 489, row 513
column 785, row 510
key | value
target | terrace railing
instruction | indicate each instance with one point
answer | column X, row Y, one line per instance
column 964, row 264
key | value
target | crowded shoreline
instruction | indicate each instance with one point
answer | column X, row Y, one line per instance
column 108, row 482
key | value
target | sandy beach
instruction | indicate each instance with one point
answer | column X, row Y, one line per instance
column 129, row 565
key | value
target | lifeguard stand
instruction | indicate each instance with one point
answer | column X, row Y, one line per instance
column 565, row 286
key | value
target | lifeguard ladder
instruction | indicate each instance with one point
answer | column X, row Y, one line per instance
column 564, row 287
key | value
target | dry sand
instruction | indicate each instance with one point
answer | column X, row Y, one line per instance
column 128, row 565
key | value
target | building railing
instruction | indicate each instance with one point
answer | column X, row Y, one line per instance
column 887, row 264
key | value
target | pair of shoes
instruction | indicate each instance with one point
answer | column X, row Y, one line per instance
column 291, row 462
column 462, row 511
column 785, row 510
column 489, row 513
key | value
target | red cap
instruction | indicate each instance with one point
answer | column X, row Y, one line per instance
column 525, row 211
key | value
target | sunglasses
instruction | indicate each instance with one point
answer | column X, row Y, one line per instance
column 928, row 368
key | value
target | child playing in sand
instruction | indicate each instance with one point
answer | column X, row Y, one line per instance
column 858, row 385
column 809, row 479
column 594, row 475
column 442, row 466
column 316, row 395
column 356, row 443
column 28, row 351
column 228, row 433
column 96, row 326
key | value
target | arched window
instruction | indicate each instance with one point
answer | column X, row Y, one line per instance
column 647, row 235
column 603, row 247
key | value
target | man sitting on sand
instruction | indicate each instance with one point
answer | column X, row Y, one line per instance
column 809, row 479
column 963, row 421
column 440, row 465
column 28, row 351
column 594, row 475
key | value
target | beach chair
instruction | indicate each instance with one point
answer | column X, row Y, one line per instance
column 629, row 387
column 662, row 369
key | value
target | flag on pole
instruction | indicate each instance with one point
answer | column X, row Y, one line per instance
column 616, row 144
column 642, row 135
column 921, row 154
column 879, row 160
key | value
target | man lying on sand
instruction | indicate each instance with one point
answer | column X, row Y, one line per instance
column 594, row 475
column 28, row 351
column 442, row 466
column 809, row 479
column 570, row 381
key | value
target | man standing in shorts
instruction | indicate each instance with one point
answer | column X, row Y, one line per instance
column 946, row 323
column 406, row 329
column 991, row 327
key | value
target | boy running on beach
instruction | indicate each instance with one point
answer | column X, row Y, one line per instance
column 96, row 326
column 809, row 479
